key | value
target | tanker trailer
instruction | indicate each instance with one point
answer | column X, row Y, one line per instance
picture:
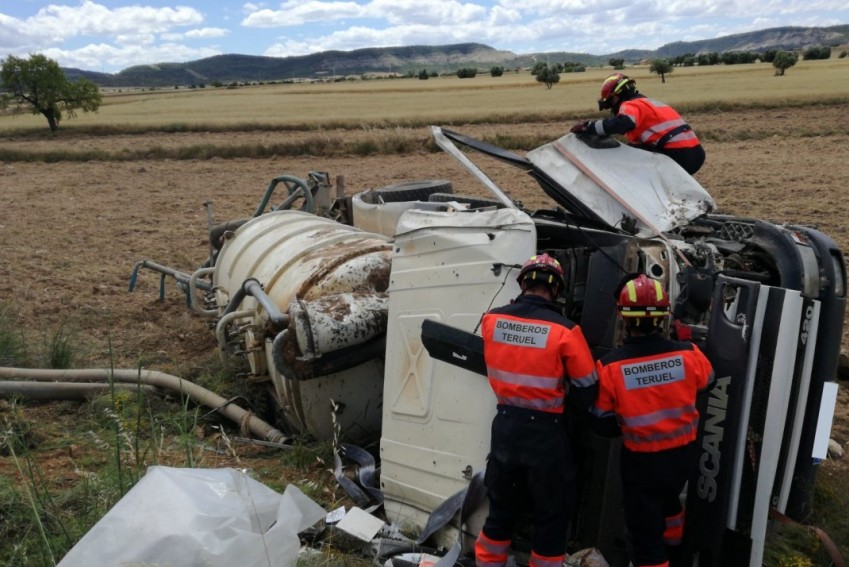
column 303, row 299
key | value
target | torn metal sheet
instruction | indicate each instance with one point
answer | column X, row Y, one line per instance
column 623, row 181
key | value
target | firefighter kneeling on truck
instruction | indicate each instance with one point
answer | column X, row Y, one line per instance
column 531, row 351
column 647, row 391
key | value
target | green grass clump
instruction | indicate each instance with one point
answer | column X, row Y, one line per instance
column 13, row 345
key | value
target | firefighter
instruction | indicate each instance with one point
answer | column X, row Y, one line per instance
column 646, row 123
column 531, row 352
column 647, row 391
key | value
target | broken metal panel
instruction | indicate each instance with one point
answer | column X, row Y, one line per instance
column 448, row 267
column 617, row 182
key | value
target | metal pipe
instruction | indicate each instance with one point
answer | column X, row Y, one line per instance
column 193, row 292
column 196, row 393
column 221, row 326
column 40, row 391
column 308, row 205
column 181, row 277
column 235, row 301
column 278, row 319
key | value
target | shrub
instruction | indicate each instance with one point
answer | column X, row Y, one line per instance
column 783, row 61
column 548, row 76
column 818, row 52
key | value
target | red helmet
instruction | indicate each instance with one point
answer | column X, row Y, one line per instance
column 643, row 297
column 616, row 84
column 542, row 268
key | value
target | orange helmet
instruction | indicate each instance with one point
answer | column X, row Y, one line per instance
column 615, row 84
column 643, row 297
column 542, row 268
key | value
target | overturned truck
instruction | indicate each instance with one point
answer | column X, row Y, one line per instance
column 327, row 305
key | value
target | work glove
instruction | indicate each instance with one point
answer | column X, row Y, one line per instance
column 580, row 127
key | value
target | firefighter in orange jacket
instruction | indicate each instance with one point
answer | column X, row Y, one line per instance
column 646, row 123
column 533, row 355
column 647, row 389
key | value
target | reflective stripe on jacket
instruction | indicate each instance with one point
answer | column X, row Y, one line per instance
column 529, row 349
column 652, row 121
column 650, row 384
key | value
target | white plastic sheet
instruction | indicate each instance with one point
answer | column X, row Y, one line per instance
column 198, row 517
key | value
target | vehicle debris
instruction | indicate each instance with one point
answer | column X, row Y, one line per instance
column 184, row 516
column 323, row 310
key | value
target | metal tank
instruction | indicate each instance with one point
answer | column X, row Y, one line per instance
column 304, row 299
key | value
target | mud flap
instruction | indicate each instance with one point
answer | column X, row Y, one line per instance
column 454, row 346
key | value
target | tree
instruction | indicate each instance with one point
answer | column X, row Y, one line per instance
column 783, row 61
column 548, row 76
column 423, row 75
column 818, row 52
column 661, row 67
column 616, row 63
column 496, row 71
column 538, row 67
column 40, row 83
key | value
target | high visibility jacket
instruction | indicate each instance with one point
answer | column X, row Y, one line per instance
column 530, row 349
column 648, row 122
column 650, row 385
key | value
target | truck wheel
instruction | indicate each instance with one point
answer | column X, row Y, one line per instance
column 410, row 190
column 473, row 202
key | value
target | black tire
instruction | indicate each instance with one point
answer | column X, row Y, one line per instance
column 410, row 191
column 473, row 202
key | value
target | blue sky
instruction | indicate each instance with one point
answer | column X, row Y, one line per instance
column 107, row 36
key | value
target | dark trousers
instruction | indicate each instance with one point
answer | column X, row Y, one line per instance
column 691, row 159
column 651, row 485
column 530, row 468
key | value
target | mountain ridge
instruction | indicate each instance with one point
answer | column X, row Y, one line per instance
column 229, row 68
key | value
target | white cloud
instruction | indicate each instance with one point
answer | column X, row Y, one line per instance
column 56, row 24
column 97, row 56
column 205, row 33
column 299, row 13
column 394, row 12
column 420, row 12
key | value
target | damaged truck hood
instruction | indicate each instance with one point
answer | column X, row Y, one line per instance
column 601, row 180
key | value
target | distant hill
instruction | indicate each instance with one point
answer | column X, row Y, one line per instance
column 401, row 60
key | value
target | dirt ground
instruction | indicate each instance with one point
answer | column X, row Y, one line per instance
column 71, row 233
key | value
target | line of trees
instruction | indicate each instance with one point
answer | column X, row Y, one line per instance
column 736, row 57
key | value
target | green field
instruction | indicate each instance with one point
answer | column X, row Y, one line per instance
column 512, row 97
